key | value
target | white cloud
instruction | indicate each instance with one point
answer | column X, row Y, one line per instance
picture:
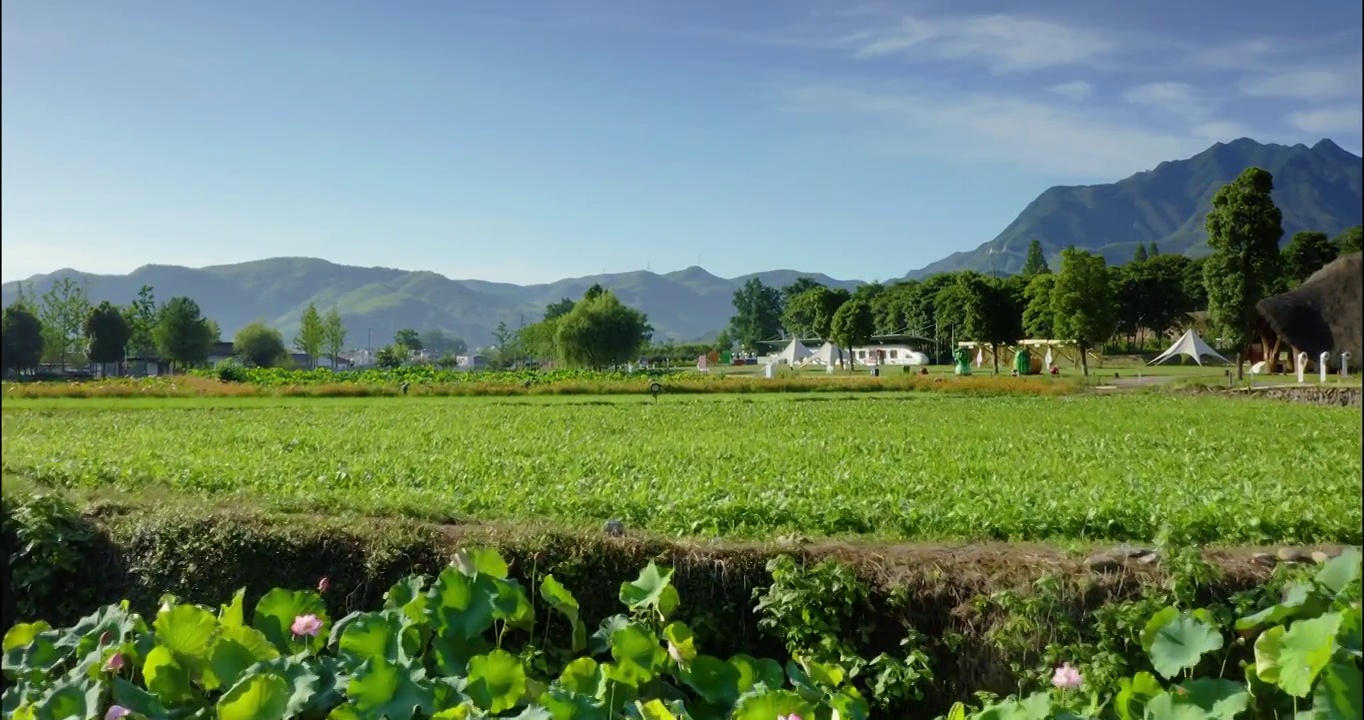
column 1328, row 120
column 1074, row 90
column 993, row 128
column 1172, row 97
column 1304, row 84
column 1221, row 131
column 1003, row 43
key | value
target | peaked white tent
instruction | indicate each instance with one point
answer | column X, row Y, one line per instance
column 1191, row 345
column 793, row 354
column 827, row 354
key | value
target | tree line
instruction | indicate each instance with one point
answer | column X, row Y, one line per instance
column 260, row 345
column 64, row 328
column 1085, row 302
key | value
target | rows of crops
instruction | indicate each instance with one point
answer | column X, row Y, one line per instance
column 908, row 467
column 422, row 375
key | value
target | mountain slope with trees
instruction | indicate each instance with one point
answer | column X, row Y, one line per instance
column 378, row 302
column 1317, row 189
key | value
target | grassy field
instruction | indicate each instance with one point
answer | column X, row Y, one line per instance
column 889, row 466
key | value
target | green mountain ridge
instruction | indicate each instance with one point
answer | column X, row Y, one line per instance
column 376, row 302
column 1317, row 188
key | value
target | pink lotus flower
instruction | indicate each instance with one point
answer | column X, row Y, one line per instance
column 792, row 716
column 114, row 663
column 308, row 625
column 117, row 712
column 322, row 585
column 1067, row 677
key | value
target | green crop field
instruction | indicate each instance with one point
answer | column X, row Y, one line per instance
column 918, row 466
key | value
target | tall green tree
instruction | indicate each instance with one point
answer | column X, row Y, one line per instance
column 892, row 307
column 411, row 339
column 757, row 314
column 506, row 341
column 1082, row 302
column 1140, row 255
column 559, row 309
column 1306, row 253
column 1036, row 263
column 1244, row 228
column 106, row 334
column 26, row 297
column 949, row 307
column 600, row 332
column 1038, row 318
column 1195, row 285
column 801, row 286
column 1131, row 289
column 182, row 334
column 1155, row 249
column 141, row 316
column 852, row 326
column 1166, row 300
column 312, row 334
column 1350, row 241
column 21, row 338
column 992, row 315
column 260, row 345
column 810, row 314
column 63, row 312
column 537, row 340
column 333, row 335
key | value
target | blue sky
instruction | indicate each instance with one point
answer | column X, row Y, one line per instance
column 529, row 141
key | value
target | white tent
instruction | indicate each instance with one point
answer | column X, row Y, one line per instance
column 827, row 354
column 793, row 354
column 1192, row 345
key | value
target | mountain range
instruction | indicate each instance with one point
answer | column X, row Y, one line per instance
column 1317, row 188
column 376, row 302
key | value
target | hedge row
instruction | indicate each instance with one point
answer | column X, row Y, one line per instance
column 942, row 595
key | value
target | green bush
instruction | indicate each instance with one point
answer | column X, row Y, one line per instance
column 230, row 370
column 443, row 647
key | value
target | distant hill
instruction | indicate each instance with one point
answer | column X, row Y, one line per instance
column 376, row 302
column 1317, row 188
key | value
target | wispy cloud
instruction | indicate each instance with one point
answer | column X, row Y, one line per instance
column 1002, row 43
column 1310, row 84
column 1174, row 97
column 1328, row 120
column 998, row 129
column 1182, row 101
column 1074, row 90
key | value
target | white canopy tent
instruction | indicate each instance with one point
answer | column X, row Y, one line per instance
column 827, row 354
column 1191, row 345
column 793, row 354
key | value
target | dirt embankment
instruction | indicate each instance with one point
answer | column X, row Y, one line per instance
column 1330, row 396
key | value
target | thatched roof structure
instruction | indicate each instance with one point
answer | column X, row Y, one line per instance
column 1324, row 314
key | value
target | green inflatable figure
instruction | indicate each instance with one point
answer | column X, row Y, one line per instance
column 962, row 357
